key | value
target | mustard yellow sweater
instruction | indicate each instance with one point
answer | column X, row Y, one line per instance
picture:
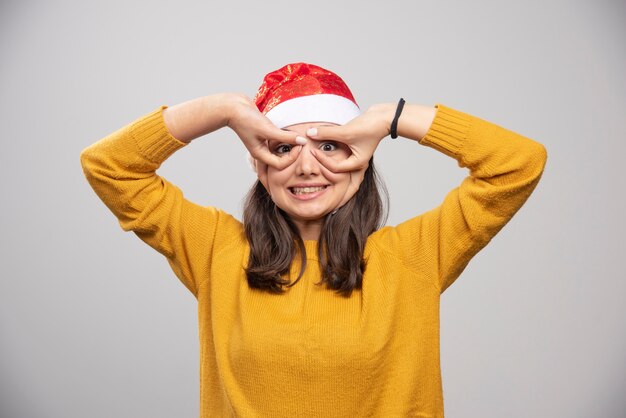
column 310, row 352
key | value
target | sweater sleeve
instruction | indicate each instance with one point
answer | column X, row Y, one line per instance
column 121, row 168
column 505, row 168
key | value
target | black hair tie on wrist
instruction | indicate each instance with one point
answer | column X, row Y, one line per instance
column 394, row 123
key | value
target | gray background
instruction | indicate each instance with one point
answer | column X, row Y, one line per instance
column 93, row 323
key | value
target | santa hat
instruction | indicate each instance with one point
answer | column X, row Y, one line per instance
column 300, row 92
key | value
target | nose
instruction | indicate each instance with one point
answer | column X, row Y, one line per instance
column 306, row 163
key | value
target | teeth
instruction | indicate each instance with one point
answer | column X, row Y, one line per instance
column 303, row 190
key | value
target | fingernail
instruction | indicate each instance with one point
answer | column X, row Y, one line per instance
column 311, row 132
column 300, row 140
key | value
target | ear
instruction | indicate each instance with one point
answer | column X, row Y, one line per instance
column 260, row 169
column 251, row 162
column 261, row 172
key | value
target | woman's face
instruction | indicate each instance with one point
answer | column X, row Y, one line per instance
column 306, row 190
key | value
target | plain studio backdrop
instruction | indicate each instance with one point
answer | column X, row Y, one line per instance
column 93, row 323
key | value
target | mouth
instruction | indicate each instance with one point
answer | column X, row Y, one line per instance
column 307, row 190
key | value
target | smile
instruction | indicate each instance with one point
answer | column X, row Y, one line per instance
column 306, row 190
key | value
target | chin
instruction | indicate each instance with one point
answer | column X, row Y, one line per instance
column 308, row 217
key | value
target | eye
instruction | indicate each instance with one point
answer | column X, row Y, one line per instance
column 282, row 149
column 328, row 146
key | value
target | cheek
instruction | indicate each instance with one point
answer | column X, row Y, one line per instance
column 276, row 178
column 343, row 179
column 342, row 183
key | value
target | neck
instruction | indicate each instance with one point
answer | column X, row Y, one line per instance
column 309, row 230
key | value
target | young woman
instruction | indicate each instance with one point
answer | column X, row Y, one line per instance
column 308, row 307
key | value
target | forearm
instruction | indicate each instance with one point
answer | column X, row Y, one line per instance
column 121, row 169
column 415, row 120
column 195, row 118
column 505, row 167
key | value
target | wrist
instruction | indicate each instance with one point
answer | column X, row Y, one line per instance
column 231, row 106
column 194, row 118
column 385, row 113
column 415, row 121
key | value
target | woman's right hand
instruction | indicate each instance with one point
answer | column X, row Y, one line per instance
column 255, row 131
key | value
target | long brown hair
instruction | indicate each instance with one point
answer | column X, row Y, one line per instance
column 275, row 241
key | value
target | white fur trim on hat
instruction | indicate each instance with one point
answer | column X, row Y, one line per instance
column 314, row 108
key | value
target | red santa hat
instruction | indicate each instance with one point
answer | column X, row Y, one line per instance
column 300, row 92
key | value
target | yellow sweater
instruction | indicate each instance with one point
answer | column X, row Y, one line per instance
column 310, row 352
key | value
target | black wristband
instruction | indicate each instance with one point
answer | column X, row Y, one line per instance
column 394, row 123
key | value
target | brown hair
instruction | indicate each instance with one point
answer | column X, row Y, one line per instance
column 275, row 241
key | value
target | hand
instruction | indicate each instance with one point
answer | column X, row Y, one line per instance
column 362, row 135
column 255, row 131
column 356, row 178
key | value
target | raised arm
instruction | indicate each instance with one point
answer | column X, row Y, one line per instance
column 504, row 166
column 504, row 169
column 121, row 168
column 201, row 116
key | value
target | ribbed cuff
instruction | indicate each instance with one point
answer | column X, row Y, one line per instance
column 153, row 139
column 448, row 131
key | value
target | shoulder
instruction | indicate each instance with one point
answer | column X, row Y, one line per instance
column 391, row 254
column 229, row 231
column 394, row 238
column 388, row 242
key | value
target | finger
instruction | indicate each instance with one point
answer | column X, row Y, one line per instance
column 279, row 162
column 337, row 133
column 349, row 164
column 286, row 137
column 356, row 178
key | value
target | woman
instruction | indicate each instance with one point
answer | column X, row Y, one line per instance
column 346, row 328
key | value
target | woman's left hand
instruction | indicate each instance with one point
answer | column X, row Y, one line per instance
column 362, row 135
